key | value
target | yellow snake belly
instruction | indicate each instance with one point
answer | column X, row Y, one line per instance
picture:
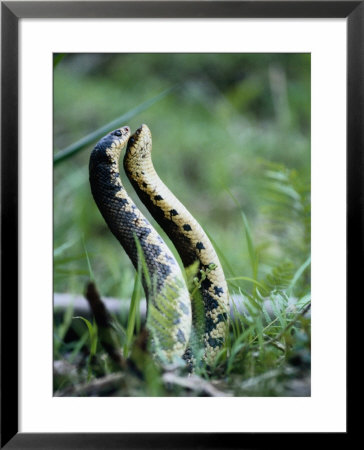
column 169, row 315
column 186, row 234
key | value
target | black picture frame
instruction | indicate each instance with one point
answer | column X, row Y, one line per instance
column 11, row 12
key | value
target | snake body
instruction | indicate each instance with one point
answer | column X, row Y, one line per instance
column 186, row 234
column 166, row 292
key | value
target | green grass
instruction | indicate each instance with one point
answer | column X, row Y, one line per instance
column 241, row 167
column 261, row 352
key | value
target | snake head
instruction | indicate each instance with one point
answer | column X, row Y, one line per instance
column 140, row 144
column 109, row 147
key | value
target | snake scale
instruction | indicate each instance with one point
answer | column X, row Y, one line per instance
column 127, row 223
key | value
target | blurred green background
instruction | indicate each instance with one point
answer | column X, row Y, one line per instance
column 232, row 135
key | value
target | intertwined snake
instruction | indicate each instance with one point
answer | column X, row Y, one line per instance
column 129, row 226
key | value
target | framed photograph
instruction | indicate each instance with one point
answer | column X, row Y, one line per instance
column 165, row 297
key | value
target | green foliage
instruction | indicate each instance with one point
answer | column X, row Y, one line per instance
column 233, row 144
column 252, row 253
column 57, row 58
column 280, row 277
column 61, row 330
column 100, row 132
column 92, row 329
column 134, row 313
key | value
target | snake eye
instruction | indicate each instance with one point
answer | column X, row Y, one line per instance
column 117, row 133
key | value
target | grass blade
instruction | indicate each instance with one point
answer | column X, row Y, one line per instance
column 221, row 255
column 297, row 275
column 142, row 262
column 62, row 329
column 92, row 137
column 91, row 273
column 257, row 283
column 133, row 311
column 57, row 58
column 248, row 236
column 250, row 244
column 92, row 329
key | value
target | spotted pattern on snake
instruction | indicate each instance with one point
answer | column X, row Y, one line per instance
column 186, row 234
column 170, row 332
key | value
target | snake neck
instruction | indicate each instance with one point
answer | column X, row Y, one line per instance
column 172, row 216
column 117, row 208
column 168, row 211
column 139, row 166
column 128, row 224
